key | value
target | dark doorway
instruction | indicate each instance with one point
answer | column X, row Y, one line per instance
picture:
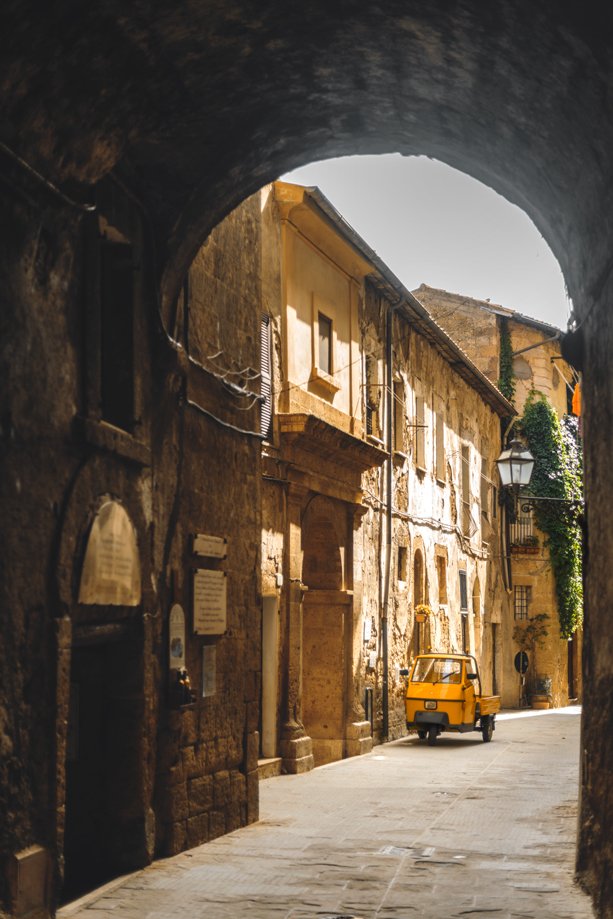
column 104, row 833
column 572, row 683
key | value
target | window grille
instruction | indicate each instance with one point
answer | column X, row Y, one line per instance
column 522, row 598
column 522, row 531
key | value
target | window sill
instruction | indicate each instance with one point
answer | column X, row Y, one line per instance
column 324, row 380
column 375, row 440
column 106, row 436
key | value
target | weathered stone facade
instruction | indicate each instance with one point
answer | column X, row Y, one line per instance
column 537, row 366
column 445, row 530
column 343, row 567
column 124, row 769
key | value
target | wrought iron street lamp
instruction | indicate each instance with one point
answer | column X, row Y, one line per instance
column 515, row 465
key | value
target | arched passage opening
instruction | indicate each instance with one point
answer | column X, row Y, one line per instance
column 203, row 109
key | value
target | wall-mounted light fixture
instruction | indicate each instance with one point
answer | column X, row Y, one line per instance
column 515, row 465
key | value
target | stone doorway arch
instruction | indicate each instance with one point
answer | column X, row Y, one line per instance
column 325, row 607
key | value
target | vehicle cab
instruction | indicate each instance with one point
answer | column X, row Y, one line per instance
column 444, row 694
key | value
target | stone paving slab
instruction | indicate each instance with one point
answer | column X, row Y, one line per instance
column 461, row 829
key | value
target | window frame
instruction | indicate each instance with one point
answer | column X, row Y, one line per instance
column 522, row 598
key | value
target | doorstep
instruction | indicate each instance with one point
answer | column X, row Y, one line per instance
column 267, row 768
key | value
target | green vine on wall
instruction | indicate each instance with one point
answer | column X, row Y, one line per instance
column 506, row 382
column 558, row 473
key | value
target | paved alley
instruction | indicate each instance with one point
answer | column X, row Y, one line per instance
column 461, row 829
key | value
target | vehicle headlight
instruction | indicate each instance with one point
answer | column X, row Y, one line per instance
column 430, row 705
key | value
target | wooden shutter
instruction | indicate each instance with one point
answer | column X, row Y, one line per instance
column 265, row 379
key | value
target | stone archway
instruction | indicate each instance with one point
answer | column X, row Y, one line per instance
column 325, row 606
column 200, row 106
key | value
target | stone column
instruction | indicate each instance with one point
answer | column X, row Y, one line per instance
column 296, row 747
column 358, row 737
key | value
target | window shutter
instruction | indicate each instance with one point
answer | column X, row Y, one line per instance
column 265, row 378
column 463, row 590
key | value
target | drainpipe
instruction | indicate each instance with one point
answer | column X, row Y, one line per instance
column 388, row 523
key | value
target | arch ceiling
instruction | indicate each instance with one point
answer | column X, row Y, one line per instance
column 204, row 101
column 199, row 103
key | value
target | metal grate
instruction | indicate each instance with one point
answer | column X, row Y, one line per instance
column 522, row 531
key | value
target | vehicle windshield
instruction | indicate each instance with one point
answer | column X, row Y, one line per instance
column 437, row 670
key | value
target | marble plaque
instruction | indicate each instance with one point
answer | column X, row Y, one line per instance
column 111, row 568
column 210, row 602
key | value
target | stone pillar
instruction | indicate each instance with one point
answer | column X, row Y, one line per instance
column 358, row 736
column 296, row 747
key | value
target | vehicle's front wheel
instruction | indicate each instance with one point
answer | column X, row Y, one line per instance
column 487, row 728
column 432, row 735
column 422, row 735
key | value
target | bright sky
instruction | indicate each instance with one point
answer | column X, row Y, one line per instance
column 432, row 224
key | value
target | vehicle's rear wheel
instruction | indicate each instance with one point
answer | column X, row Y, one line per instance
column 487, row 727
column 432, row 735
column 422, row 735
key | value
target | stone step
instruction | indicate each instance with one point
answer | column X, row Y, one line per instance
column 269, row 767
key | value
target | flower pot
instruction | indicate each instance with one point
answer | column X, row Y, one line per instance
column 539, row 701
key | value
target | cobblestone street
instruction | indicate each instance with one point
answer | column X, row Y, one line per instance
column 459, row 829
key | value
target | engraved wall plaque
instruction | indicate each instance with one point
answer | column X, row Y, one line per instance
column 176, row 638
column 210, row 602
column 111, row 568
column 210, row 546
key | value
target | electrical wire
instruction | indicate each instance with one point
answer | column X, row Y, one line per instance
column 224, row 424
column 77, row 205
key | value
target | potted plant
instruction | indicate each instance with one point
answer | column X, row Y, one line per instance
column 530, row 634
column 541, row 697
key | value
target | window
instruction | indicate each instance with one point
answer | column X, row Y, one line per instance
column 399, row 415
column 485, row 490
column 114, row 282
column 437, row 670
column 402, row 564
column 265, row 378
column 465, row 641
column 439, row 459
column 117, row 334
column 466, row 519
column 441, row 572
column 463, row 590
column 325, row 343
column 372, row 393
column 418, row 578
column 420, row 432
column 522, row 596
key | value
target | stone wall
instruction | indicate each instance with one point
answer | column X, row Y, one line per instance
column 427, row 521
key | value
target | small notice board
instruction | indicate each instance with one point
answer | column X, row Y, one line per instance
column 210, row 602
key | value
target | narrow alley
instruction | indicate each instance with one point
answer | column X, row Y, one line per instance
column 459, row 829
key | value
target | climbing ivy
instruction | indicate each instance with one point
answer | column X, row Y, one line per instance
column 506, row 382
column 558, row 474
